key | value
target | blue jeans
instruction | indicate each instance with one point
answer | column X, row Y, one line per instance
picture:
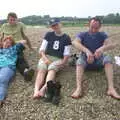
column 6, row 75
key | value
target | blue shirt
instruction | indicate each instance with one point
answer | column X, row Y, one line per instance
column 56, row 44
column 92, row 41
column 8, row 56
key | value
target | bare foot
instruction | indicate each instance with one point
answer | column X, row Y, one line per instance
column 42, row 91
column 76, row 94
column 113, row 93
column 36, row 95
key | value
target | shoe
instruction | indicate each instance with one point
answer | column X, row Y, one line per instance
column 1, row 104
column 56, row 97
column 50, row 91
column 28, row 74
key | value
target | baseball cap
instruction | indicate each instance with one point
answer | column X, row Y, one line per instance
column 54, row 21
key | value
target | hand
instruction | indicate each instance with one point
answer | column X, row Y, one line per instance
column 98, row 53
column 90, row 57
column 47, row 61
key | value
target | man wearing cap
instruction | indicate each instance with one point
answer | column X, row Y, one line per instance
column 54, row 51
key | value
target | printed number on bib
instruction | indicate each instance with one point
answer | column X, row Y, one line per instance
column 56, row 45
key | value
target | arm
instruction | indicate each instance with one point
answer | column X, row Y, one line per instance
column 65, row 59
column 1, row 45
column 45, row 58
column 42, row 51
column 77, row 44
column 108, row 45
column 23, row 42
column 67, row 53
column 2, row 32
column 1, row 37
column 26, row 38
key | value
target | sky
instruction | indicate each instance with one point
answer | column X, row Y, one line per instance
column 58, row 8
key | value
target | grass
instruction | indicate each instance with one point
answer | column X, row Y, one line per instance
column 94, row 105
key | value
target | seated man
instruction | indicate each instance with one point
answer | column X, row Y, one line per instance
column 54, row 51
column 8, row 58
column 17, row 31
column 92, row 44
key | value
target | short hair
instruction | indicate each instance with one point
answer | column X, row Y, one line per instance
column 95, row 19
column 12, row 14
column 9, row 38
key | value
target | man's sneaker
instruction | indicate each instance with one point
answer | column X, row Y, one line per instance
column 28, row 74
column 56, row 97
column 50, row 91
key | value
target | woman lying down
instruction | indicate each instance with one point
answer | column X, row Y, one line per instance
column 8, row 57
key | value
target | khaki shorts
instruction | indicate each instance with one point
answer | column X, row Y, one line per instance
column 52, row 66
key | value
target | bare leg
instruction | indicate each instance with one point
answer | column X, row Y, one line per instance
column 109, row 74
column 50, row 76
column 40, row 79
column 79, row 77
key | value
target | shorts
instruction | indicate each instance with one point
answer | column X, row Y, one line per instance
column 98, row 63
column 52, row 66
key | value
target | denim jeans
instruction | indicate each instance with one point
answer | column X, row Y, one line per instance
column 98, row 63
column 6, row 75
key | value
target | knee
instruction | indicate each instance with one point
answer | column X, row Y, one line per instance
column 41, row 71
column 107, row 61
column 4, row 80
column 81, row 62
column 52, row 71
column 53, row 68
column 108, row 64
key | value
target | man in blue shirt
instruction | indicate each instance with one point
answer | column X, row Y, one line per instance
column 8, row 57
column 92, row 44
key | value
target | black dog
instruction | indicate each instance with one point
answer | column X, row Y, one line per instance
column 53, row 92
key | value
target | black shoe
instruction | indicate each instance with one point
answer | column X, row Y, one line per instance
column 50, row 91
column 56, row 97
column 28, row 75
column 1, row 104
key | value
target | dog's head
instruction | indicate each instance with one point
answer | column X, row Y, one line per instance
column 73, row 59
